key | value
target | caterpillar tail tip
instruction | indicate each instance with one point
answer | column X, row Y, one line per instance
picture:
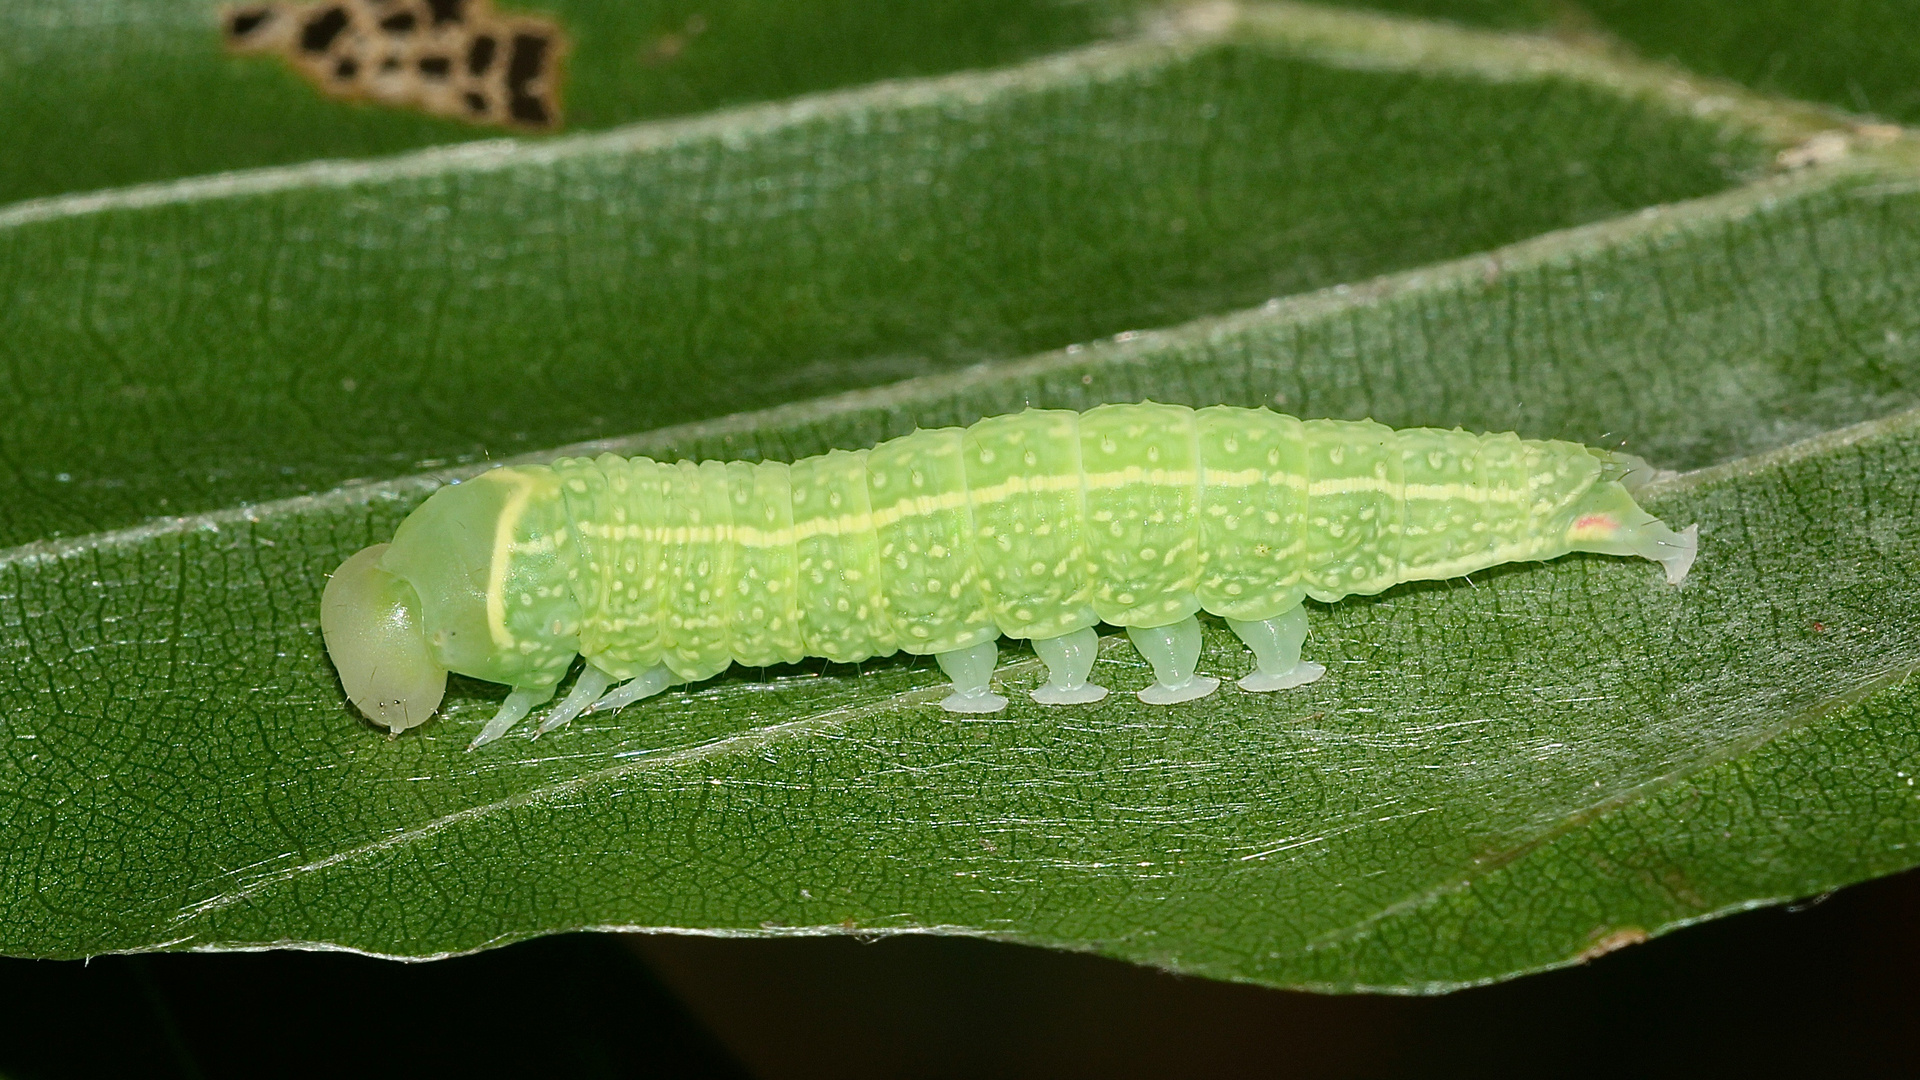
column 1678, row 553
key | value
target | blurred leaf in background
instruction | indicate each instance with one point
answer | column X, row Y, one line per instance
column 1857, row 55
column 158, row 96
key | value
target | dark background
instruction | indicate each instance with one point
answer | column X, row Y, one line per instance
column 1823, row 988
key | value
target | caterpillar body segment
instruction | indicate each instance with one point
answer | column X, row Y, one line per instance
column 1037, row 525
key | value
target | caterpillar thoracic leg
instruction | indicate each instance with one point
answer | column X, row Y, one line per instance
column 518, row 705
column 586, row 690
column 651, row 682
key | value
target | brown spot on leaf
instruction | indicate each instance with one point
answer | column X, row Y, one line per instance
column 1877, row 134
column 668, row 46
column 438, row 56
column 480, row 54
column 1822, row 148
column 664, row 48
column 1605, row 941
column 244, row 22
column 523, row 74
column 320, row 32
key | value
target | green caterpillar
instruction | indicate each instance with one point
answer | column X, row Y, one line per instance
column 1038, row 525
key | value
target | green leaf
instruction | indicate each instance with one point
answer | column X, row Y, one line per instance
column 1854, row 54
column 1497, row 776
column 159, row 96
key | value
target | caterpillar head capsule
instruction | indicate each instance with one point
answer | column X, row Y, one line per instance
column 376, row 636
column 474, row 582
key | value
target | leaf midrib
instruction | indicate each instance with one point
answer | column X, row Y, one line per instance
column 1105, row 60
column 1336, row 37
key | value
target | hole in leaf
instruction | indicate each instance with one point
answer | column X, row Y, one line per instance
column 528, row 61
column 320, row 31
column 456, row 58
column 480, row 55
column 245, row 21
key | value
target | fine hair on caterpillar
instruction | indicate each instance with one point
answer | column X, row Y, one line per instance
column 1038, row 525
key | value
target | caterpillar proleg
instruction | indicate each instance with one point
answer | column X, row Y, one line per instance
column 1039, row 525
